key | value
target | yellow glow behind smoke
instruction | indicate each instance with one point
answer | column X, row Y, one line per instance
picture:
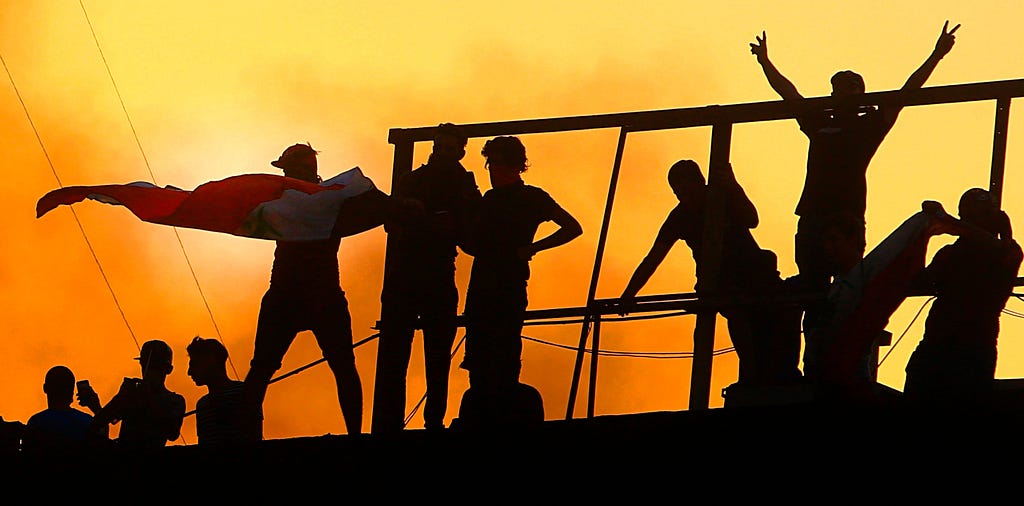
column 219, row 89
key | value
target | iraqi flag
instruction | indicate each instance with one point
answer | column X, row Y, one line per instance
column 874, row 289
column 261, row 206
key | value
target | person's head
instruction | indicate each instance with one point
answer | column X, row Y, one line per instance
column 449, row 144
column 299, row 161
column 59, row 386
column 843, row 241
column 207, row 360
column 505, row 152
column 978, row 207
column 686, row 180
column 846, row 83
column 155, row 358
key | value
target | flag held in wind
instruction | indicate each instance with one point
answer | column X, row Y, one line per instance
column 261, row 206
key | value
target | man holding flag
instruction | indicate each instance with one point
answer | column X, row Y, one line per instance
column 305, row 294
column 307, row 218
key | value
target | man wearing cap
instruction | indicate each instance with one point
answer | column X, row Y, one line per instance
column 305, row 294
column 971, row 279
column 149, row 413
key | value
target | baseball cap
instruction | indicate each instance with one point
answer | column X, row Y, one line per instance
column 292, row 155
column 155, row 352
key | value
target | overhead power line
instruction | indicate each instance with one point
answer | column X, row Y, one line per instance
column 152, row 177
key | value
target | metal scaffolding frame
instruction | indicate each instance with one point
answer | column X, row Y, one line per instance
column 721, row 118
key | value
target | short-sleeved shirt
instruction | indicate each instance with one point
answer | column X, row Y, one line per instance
column 743, row 261
column 508, row 219
column 150, row 422
column 221, row 419
column 57, row 429
column 448, row 193
column 306, row 264
column 838, row 155
column 973, row 280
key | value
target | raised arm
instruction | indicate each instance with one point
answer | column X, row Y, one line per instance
column 916, row 80
column 741, row 210
column 783, row 86
column 942, row 47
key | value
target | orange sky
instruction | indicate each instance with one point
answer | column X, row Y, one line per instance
column 217, row 89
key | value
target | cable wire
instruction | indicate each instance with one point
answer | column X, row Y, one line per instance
column 145, row 159
column 423, row 398
column 893, row 347
column 81, row 228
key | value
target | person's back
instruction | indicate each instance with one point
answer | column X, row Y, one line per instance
column 151, row 416
column 59, row 427
column 513, row 406
column 222, row 417
column 839, row 151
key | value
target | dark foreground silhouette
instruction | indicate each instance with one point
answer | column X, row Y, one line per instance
column 784, row 448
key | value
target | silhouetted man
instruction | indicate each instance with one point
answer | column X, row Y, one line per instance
column 972, row 279
column 513, row 405
column 149, row 413
column 502, row 244
column 862, row 296
column 222, row 419
column 305, row 294
column 841, row 144
column 419, row 281
column 766, row 336
column 59, row 427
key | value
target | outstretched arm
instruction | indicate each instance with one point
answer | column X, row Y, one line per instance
column 916, row 80
column 659, row 250
column 783, row 86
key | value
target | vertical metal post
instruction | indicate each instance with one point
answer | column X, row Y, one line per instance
column 401, row 165
column 708, row 267
column 999, row 148
column 577, row 369
column 592, row 390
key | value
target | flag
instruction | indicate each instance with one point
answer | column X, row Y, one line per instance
column 872, row 291
column 260, row 206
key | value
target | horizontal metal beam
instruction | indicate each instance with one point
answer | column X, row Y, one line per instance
column 712, row 114
column 686, row 302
